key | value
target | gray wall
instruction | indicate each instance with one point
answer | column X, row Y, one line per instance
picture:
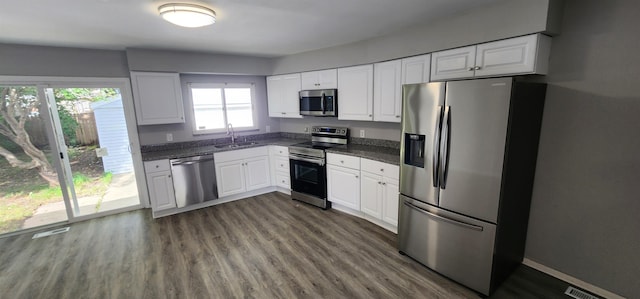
column 585, row 217
column 375, row 130
column 22, row 60
column 501, row 20
column 195, row 62
column 156, row 134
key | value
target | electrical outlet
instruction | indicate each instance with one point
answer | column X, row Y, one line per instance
column 169, row 137
column 267, row 129
column 361, row 133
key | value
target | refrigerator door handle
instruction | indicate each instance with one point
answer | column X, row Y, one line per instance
column 442, row 218
column 436, row 146
column 444, row 147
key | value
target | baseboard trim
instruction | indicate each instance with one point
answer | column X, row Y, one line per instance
column 572, row 280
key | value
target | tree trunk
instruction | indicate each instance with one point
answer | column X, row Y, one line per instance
column 14, row 116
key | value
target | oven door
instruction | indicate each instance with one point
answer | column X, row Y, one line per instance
column 308, row 175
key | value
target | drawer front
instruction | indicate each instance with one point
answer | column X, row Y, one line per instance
column 456, row 246
column 343, row 160
column 241, row 154
column 279, row 150
column 387, row 170
column 283, row 180
column 156, row 165
column 282, row 164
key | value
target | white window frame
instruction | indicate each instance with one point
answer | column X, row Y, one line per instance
column 254, row 115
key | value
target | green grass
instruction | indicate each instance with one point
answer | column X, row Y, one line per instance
column 17, row 206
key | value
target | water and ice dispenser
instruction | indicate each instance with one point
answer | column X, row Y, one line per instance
column 414, row 149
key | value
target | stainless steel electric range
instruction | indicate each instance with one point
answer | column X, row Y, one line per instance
column 307, row 164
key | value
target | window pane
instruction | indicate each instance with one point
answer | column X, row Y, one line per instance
column 239, row 112
column 207, row 108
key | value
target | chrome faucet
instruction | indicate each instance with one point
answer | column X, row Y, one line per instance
column 231, row 132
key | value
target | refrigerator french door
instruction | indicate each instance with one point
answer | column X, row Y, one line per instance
column 455, row 138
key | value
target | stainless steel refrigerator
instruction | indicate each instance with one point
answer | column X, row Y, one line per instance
column 468, row 156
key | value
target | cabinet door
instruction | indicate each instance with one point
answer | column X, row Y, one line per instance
column 161, row 192
column 157, row 98
column 390, row 201
column 290, row 96
column 257, row 173
column 371, row 194
column 343, row 186
column 325, row 79
column 274, row 96
column 509, row 56
column 328, row 79
column 309, row 81
column 387, row 94
column 416, row 69
column 230, row 178
column 355, row 97
column 454, row 63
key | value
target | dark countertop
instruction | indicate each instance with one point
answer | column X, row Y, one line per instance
column 372, row 152
column 210, row 149
column 377, row 153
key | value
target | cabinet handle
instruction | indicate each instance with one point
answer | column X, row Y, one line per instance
column 357, row 176
column 382, row 169
column 370, row 115
column 397, row 116
column 477, row 68
column 157, row 166
column 281, row 165
column 383, row 184
column 379, row 183
column 169, row 176
column 471, row 68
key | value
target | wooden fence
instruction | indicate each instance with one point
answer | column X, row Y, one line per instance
column 86, row 132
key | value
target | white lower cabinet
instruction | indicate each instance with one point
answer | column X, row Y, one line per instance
column 379, row 190
column 279, row 156
column 240, row 171
column 343, row 180
column 160, row 185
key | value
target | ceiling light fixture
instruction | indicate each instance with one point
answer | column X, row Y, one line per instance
column 187, row 15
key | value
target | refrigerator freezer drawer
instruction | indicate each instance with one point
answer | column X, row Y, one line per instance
column 456, row 246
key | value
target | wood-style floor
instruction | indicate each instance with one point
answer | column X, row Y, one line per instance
column 261, row 247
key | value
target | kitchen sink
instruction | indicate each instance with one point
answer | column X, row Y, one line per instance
column 237, row 144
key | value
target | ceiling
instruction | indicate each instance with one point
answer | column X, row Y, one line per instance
column 266, row 28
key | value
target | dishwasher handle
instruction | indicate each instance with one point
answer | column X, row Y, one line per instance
column 189, row 161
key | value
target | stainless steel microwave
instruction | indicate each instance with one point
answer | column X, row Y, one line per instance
column 321, row 102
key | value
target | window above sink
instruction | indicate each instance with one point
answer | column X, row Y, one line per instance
column 215, row 105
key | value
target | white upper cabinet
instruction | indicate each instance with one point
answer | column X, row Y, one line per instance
column 521, row 55
column 455, row 63
column 355, row 93
column 526, row 54
column 325, row 79
column 416, row 69
column 157, row 98
column 282, row 95
column 387, row 93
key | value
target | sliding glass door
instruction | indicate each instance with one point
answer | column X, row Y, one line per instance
column 30, row 190
column 66, row 153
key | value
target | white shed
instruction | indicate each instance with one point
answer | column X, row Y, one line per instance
column 112, row 135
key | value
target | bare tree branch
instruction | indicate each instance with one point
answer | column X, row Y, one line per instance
column 15, row 162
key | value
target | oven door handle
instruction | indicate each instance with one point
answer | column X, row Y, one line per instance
column 314, row 161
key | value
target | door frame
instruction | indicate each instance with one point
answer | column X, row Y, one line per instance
column 124, row 84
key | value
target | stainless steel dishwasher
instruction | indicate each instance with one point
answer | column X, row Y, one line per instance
column 194, row 180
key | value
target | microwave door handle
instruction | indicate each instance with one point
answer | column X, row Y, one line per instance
column 322, row 103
